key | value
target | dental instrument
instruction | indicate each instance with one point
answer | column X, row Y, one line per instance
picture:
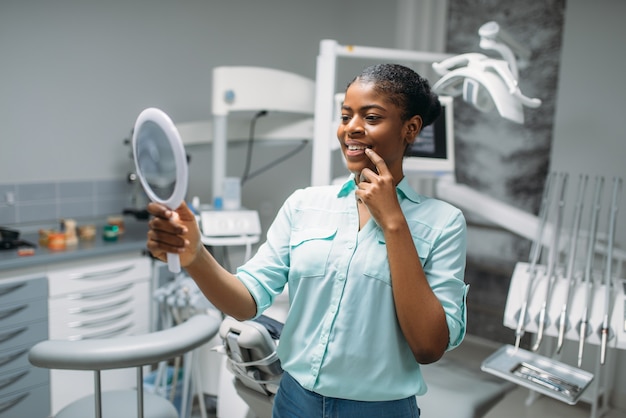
column 587, row 278
column 544, row 378
column 535, row 251
column 608, row 279
column 569, row 275
column 553, row 258
column 538, row 373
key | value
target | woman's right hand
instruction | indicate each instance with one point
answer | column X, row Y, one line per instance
column 173, row 232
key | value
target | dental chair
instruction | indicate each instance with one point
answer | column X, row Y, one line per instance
column 250, row 347
column 123, row 352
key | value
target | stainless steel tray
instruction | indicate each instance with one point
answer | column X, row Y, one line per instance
column 542, row 374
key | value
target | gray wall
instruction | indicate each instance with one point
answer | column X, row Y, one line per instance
column 75, row 74
column 589, row 132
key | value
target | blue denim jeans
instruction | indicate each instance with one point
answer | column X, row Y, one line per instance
column 293, row 401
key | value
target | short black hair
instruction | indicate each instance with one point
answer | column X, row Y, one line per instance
column 405, row 88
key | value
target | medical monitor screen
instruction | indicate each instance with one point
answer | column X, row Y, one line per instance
column 433, row 150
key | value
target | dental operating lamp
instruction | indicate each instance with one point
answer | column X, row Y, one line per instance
column 487, row 83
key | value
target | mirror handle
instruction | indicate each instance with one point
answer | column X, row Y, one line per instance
column 173, row 262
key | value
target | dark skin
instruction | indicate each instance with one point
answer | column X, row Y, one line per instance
column 373, row 137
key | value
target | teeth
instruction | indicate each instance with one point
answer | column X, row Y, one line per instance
column 357, row 147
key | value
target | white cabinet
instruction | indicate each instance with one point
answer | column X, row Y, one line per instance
column 97, row 298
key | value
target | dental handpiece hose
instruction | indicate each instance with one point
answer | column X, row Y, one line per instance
column 582, row 185
column 608, row 271
column 552, row 262
column 588, row 279
column 534, row 258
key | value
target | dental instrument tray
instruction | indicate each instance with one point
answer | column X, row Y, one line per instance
column 539, row 373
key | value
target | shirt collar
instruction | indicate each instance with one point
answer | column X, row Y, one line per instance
column 403, row 188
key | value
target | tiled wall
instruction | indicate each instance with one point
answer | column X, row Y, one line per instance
column 25, row 203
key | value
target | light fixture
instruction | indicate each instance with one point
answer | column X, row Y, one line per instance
column 487, row 83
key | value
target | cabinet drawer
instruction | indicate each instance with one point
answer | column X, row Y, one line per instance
column 22, row 290
column 121, row 314
column 17, row 380
column 33, row 402
column 24, row 311
column 94, row 276
column 23, row 334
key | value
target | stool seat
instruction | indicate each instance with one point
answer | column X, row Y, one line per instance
column 120, row 404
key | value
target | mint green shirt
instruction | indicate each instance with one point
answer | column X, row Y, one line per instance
column 341, row 337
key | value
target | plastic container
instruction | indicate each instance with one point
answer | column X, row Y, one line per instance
column 56, row 241
column 110, row 232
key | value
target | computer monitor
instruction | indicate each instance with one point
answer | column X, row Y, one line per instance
column 433, row 150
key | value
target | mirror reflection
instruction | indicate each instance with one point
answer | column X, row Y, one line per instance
column 155, row 158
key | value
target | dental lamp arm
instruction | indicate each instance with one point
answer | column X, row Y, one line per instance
column 493, row 37
column 462, row 60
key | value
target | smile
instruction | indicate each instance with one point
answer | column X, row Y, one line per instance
column 358, row 147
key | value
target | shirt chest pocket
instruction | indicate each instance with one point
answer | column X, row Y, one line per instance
column 310, row 249
column 377, row 263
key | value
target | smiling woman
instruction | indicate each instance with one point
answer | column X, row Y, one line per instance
column 321, row 244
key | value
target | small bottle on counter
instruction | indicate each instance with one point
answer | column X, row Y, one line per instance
column 69, row 227
column 110, row 232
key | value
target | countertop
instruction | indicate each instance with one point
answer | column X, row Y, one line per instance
column 133, row 239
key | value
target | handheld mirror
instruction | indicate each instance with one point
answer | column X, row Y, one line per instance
column 161, row 163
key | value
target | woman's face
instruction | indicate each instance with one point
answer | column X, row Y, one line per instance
column 368, row 120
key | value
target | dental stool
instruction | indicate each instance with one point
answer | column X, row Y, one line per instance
column 122, row 352
column 250, row 347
